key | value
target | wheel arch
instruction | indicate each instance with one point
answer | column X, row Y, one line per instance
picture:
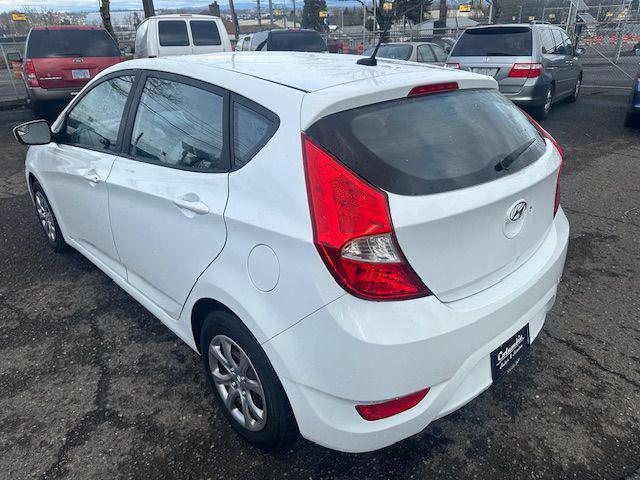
column 199, row 312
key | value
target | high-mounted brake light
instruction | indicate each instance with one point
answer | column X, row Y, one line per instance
column 526, row 70
column 544, row 133
column 30, row 71
column 452, row 65
column 353, row 233
column 433, row 88
column 378, row 411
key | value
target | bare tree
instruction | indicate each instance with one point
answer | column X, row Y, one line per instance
column 106, row 18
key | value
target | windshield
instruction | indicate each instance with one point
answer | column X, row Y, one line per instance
column 71, row 43
column 393, row 51
column 296, row 42
column 498, row 41
column 432, row 143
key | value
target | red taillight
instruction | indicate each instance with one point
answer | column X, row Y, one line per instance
column 30, row 71
column 452, row 65
column 544, row 133
column 433, row 88
column 353, row 232
column 378, row 411
column 526, row 70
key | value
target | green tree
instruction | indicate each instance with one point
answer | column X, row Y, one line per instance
column 311, row 14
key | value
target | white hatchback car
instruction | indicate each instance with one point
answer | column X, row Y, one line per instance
column 355, row 250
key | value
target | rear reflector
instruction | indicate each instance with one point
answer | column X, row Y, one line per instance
column 434, row 87
column 526, row 70
column 353, row 232
column 378, row 411
column 544, row 133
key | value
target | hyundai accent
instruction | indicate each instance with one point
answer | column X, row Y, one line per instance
column 355, row 251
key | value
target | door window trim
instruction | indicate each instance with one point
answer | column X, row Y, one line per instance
column 259, row 109
column 192, row 82
column 57, row 137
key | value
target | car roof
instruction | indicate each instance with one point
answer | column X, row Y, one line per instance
column 307, row 72
column 67, row 27
column 182, row 15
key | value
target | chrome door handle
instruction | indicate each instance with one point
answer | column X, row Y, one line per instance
column 192, row 202
column 92, row 176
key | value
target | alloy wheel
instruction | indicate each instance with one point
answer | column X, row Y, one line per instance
column 237, row 382
column 45, row 216
column 548, row 101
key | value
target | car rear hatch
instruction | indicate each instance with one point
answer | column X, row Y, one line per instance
column 493, row 51
column 64, row 58
column 470, row 181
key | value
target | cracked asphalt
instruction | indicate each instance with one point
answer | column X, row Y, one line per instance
column 92, row 386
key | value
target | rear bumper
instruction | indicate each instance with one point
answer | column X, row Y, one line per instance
column 530, row 95
column 354, row 351
column 38, row 94
column 634, row 101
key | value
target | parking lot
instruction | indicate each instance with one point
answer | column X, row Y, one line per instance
column 92, row 386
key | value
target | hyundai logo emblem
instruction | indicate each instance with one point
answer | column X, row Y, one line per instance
column 517, row 211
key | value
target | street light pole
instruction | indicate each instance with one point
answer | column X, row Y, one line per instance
column 270, row 14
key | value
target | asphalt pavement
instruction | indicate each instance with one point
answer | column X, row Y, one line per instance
column 92, row 386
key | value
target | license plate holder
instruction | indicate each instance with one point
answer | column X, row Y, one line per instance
column 80, row 74
column 491, row 72
column 508, row 355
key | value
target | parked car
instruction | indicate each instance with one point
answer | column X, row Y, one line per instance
column 355, row 301
column 60, row 60
column 180, row 34
column 446, row 43
column 289, row 40
column 632, row 119
column 411, row 51
column 535, row 64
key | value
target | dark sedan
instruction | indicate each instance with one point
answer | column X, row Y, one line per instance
column 633, row 112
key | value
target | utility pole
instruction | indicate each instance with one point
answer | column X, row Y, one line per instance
column 520, row 15
column 259, row 15
column 149, row 11
column 234, row 18
column 294, row 13
column 270, row 14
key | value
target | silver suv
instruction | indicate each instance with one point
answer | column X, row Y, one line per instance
column 535, row 64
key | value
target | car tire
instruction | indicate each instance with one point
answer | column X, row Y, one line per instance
column 253, row 382
column 48, row 220
column 576, row 91
column 541, row 112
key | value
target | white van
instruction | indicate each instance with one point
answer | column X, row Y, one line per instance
column 181, row 34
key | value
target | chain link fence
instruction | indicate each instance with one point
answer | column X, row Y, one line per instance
column 11, row 84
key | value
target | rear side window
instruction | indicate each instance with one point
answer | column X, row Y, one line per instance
column 558, row 48
column 432, row 143
column 494, row 41
column 425, row 54
column 173, row 33
column 180, row 126
column 546, row 38
column 71, row 43
column 296, row 42
column 204, row 32
column 251, row 131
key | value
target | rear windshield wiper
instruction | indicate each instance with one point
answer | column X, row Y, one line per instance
column 66, row 54
column 506, row 162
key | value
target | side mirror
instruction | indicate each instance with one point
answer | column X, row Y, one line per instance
column 36, row 132
column 579, row 51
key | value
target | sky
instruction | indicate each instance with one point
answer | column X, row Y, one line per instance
column 92, row 5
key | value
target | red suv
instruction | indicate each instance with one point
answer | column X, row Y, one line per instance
column 59, row 61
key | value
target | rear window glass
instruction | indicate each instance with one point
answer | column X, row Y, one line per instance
column 173, row 33
column 204, row 32
column 71, row 43
column 296, row 42
column 432, row 143
column 396, row 52
column 502, row 41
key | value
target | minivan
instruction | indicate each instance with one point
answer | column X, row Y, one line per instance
column 180, row 34
column 354, row 251
column 536, row 65
column 60, row 60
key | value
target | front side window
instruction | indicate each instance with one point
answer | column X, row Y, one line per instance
column 558, row 48
column 567, row 44
column 180, row 126
column 392, row 51
column 441, row 54
column 204, row 32
column 251, row 132
column 173, row 33
column 95, row 120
